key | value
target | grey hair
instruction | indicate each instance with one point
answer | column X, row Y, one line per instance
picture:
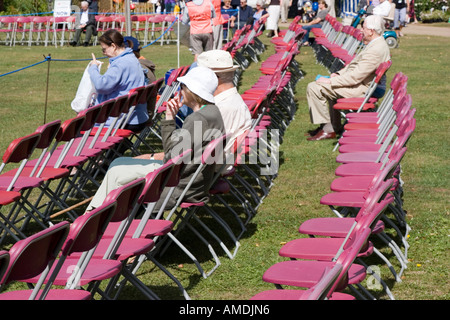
column 375, row 23
column 225, row 77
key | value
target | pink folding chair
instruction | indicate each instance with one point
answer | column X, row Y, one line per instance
column 85, row 233
column 20, row 150
column 319, row 291
column 35, row 168
column 307, row 273
column 184, row 210
column 337, row 229
column 35, row 256
column 113, row 253
column 8, row 27
column 154, row 228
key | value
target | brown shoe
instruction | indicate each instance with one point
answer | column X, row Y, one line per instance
column 322, row 135
column 313, row 132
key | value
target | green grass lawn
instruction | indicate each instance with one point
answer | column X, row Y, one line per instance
column 305, row 174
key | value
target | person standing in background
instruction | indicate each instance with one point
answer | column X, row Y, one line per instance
column 200, row 15
column 218, row 23
column 274, row 17
column 284, row 6
column 401, row 7
column 330, row 6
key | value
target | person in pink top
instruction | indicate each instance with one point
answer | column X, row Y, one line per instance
column 200, row 15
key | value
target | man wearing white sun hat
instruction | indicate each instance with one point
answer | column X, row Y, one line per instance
column 235, row 114
column 205, row 123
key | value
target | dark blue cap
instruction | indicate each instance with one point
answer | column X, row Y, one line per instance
column 134, row 41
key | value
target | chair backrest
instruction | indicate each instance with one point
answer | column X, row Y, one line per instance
column 107, row 107
column 126, row 198
column 377, row 195
column 91, row 114
column 180, row 162
column 21, row 148
column 178, row 165
column 321, row 290
column 35, row 255
column 352, row 248
column 127, row 204
column 212, row 155
column 87, row 229
column 48, row 133
column 84, row 235
column 155, row 182
column 382, row 69
column 4, row 263
column 70, row 129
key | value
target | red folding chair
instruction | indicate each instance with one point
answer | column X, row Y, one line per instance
column 34, row 256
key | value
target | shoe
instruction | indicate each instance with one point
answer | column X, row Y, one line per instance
column 313, row 132
column 322, row 135
column 73, row 43
column 85, row 44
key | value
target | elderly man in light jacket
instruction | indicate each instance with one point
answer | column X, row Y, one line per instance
column 351, row 81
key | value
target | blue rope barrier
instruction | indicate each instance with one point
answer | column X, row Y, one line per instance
column 35, row 64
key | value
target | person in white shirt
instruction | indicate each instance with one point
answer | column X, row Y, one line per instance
column 235, row 113
column 382, row 9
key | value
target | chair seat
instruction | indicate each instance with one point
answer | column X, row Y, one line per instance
column 68, row 162
column 281, row 294
column 22, row 183
column 359, row 126
column 129, row 247
column 7, row 197
column 357, row 139
column 360, row 147
column 305, row 273
column 357, row 169
column 119, row 133
column 327, row 227
column 344, row 199
column 186, row 205
column 47, row 174
column 357, row 157
column 54, row 294
column 98, row 269
column 152, row 229
column 322, row 249
column 353, row 106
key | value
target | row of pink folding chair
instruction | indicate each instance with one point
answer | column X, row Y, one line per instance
column 63, row 151
column 29, row 30
column 97, row 247
column 374, row 141
column 330, row 244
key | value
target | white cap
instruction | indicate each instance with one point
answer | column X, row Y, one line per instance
column 202, row 81
column 217, row 60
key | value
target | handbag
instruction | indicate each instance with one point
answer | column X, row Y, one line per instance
column 86, row 93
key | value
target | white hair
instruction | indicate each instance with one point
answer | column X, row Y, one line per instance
column 376, row 23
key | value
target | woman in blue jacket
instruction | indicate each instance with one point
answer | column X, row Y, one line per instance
column 123, row 74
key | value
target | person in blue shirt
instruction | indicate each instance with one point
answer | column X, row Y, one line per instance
column 245, row 16
column 123, row 74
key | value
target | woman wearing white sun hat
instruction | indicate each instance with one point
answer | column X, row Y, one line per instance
column 205, row 124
